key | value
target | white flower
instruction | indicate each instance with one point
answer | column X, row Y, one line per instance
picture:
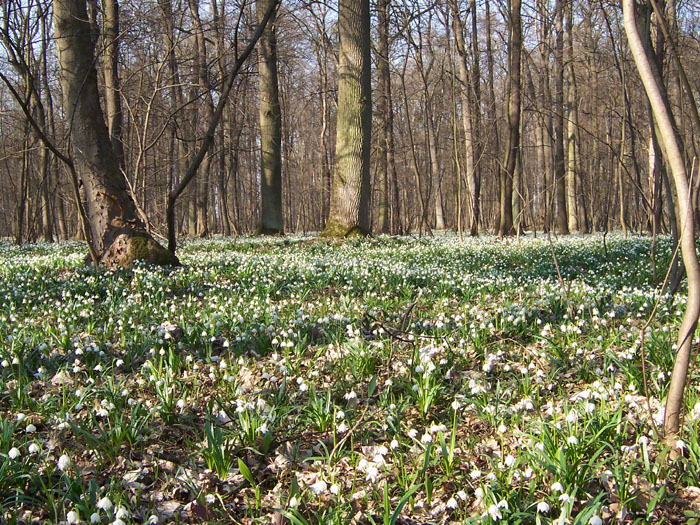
column 293, row 502
column 30, row 429
column 495, row 513
column 462, row 495
column 319, row 487
column 452, row 503
column 595, row 520
column 479, row 493
column 455, row 405
column 475, row 474
column 412, row 433
column 556, row 487
column 394, row 444
column 510, row 461
column 63, row 462
column 350, row 395
column 335, row 489
column 13, row 453
column 502, row 428
column 572, row 440
column 680, row 444
column 542, row 507
column 33, row 448
column 72, row 517
column 427, row 438
column 122, row 513
column 181, row 404
column 118, row 522
column 564, row 498
column 372, row 473
column 95, row 518
column 572, row 417
column 104, row 504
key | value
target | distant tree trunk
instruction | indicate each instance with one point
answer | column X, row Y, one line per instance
column 492, row 134
column 559, row 167
column 113, row 105
column 514, row 106
column 222, row 178
column 118, row 235
column 634, row 17
column 386, row 139
column 349, row 213
column 576, row 207
column 544, row 131
column 471, row 119
column 270, row 128
column 201, row 213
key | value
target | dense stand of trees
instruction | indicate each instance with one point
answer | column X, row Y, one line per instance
column 485, row 116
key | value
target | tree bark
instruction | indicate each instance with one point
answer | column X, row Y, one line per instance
column 118, row 235
column 270, row 128
column 514, row 106
column 559, row 165
column 385, row 110
column 349, row 214
column 670, row 140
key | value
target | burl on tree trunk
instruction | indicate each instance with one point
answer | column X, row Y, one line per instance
column 118, row 235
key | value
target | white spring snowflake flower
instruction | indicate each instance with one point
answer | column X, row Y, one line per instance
column 557, row 487
column 595, row 520
column 543, row 507
column 427, row 438
column 572, row 440
column 95, row 518
column 14, row 453
column 495, row 513
column 34, row 448
column 452, row 503
column 72, row 517
column 319, row 487
column 372, row 473
column 63, row 462
column 104, row 504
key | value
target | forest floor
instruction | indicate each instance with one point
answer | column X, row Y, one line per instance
column 388, row 380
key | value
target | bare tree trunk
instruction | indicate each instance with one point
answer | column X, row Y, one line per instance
column 634, row 18
column 471, row 120
column 514, row 107
column 112, row 94
column 573, row 186
column 118, row 235
column 270, row 128
column 559, row 167
column 386, row 140
column 349, row 213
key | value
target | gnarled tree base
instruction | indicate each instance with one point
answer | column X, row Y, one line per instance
column 139, row 247
column 337, row 230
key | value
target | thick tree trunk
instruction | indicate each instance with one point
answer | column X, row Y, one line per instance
column 671, row 143
column 118, row 235
column 349, row 212
column 270, row 128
